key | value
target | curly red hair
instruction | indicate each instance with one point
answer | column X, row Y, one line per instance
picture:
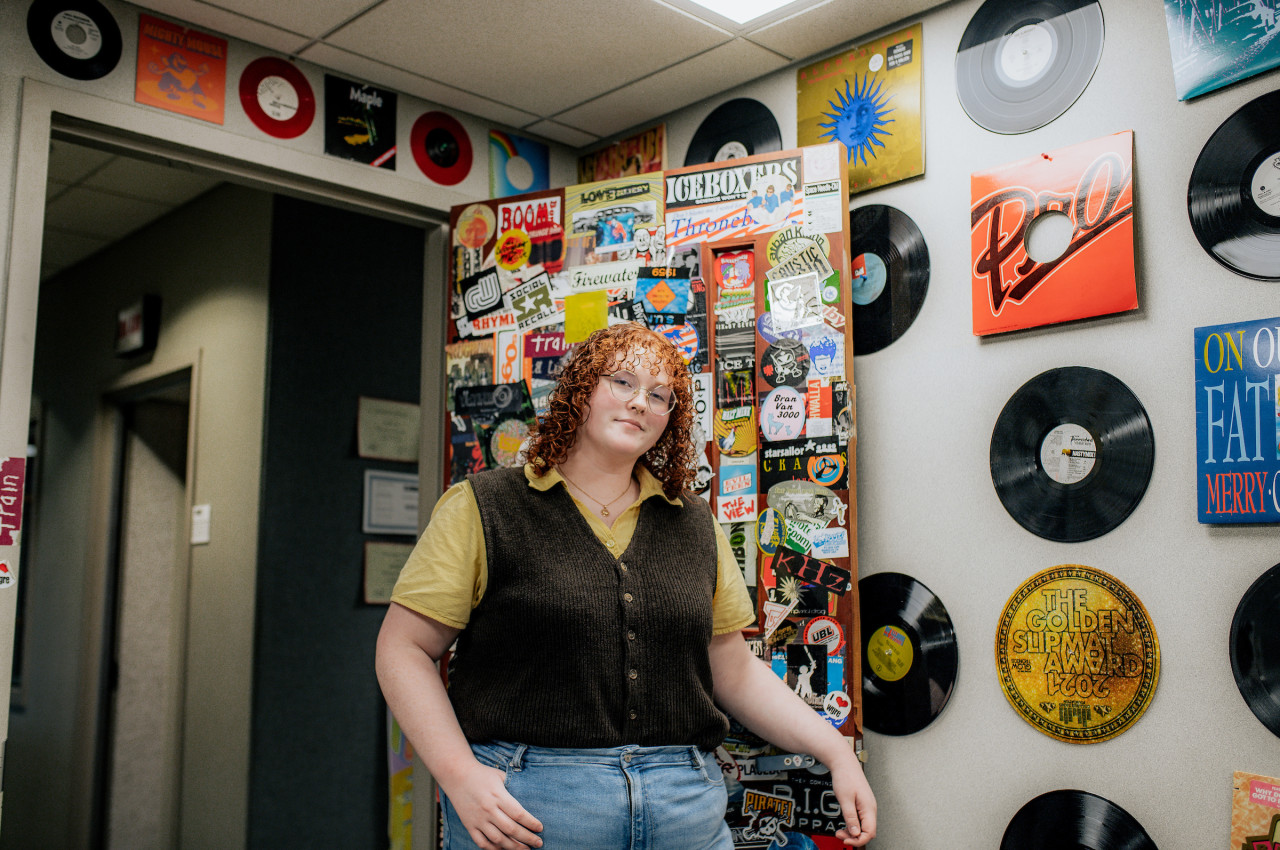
column 672, row 458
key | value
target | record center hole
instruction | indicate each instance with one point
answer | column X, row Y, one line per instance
column 1048, row 236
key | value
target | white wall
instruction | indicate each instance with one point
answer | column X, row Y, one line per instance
column 926, row 407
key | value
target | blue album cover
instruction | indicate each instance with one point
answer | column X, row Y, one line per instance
column 1214, row 43
column 517, row 165
column 1238, row 421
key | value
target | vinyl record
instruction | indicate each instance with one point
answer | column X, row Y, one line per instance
column 277, row 97
column 441, row 147
column 1255, row 648
column 77, row 38
column 1022, row 63
column 909, row 652
column 1234, row 195
column 1071, row 454
column 890, row 264
column 1074, row 820
column 737, row 128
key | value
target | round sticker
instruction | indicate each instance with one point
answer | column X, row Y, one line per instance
column 791, row 240
column 826, row 469
column 506, row 440
column 890, row 653
column 771, row 530
column 771, row 334
column 825, row 631
column 869, row 277
column 838, row 707
column 1068, row 453
column 512, row 250
column 782, row 414
column 1077, row 654
column 785, row 363
column 476, row 224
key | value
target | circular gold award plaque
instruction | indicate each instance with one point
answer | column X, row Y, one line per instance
column 1077, row 654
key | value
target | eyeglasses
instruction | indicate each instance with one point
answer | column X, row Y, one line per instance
column 626, row 386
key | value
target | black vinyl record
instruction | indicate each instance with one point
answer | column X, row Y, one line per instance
column 1255, row 648
column 1074, row 820
column 890, row 275
column 77, row 38
column 909, row 652
column 1071, row 454
column 734, row 129
column 1022, row 63
column 1234, row 195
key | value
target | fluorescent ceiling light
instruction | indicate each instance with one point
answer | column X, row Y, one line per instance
column 741, row 11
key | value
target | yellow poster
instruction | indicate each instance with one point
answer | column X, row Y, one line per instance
column 869, row 98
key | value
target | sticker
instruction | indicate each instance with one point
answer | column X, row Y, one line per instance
column 795, row 302
column 818, row 399
column 743, row 552
column 819, row 460
column 829, row 543
column 789, row 562
column 785, row 363
column 7, row 576
column 771, row 530
column 792, row 239
column 476, row 224
column 13, row 471
column 735, row 271
column 486, row 404
column 837, row 707
column 734, row 388
column 807, row 672
column 512, row 250
column 775, row 613
column 685, row 338
column 771, row 334
column 807, row 258
column 804, row 501
column 825, row 631
column 890, row 653
column 782, row 414
column 505, row 441
column 735, row 431
column 584, row 314
column 735, row 508
column 702, row 401
column 826, row 356
column 800, row 536
column 481, row 294
column 833, row 317
column 663, row 291
column 533, row 303
column 764, row 817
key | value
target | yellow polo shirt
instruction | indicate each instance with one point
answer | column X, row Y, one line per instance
column 446, row 574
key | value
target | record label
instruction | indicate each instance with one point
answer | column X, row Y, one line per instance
column 1071, row 454
column 1068, row 453
column 76, row 35
column 1077, row 654
column 1265, row 186
column 277, row 97
column 889, row 653
column 1025, row 54
column 909, row 646
column 869, row 276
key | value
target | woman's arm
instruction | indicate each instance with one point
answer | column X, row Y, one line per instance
column 759, row 700
column 409, row 646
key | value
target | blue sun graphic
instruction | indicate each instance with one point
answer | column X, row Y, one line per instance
column 859, row 119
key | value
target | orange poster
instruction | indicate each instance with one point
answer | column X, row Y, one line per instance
column 181, row 70
column 1089, row 188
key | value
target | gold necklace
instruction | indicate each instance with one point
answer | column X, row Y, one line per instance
column 604, row 507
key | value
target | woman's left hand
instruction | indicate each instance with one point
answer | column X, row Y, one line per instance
column 857, row 804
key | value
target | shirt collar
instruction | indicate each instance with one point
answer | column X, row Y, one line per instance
column 650, row 485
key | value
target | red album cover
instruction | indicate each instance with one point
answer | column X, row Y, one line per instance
column 1092, row 184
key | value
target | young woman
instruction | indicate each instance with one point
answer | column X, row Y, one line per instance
column 598, row 611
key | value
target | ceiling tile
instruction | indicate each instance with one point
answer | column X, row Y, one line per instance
column 567, row 51
column 302, row 16
column 560, row 133
column 364, row 69
column 62, row 249
column 149, row 182
column 832, row 24
column 250, row 29
column 70, row 163
column 713, row 72
column 92, row 213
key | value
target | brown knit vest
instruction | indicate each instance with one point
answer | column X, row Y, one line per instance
column 568, row 648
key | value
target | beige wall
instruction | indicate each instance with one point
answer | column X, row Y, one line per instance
column 209, row 262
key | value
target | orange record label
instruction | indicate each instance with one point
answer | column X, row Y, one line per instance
column 1077, row 654
column 1091, row 184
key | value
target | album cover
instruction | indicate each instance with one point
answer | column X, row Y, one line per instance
column 641, row 153
column 1215, row 44
column 1238, row 421
column 1090, row 183
column 869, row 99
column 182, row 70
column 1255, row 812
column 359, row 122
column 517, row 165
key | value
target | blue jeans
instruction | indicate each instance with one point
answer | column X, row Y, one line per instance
column 621, row 798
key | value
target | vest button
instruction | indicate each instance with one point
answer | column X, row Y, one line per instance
column 622, row 567
column 633, row 715
column 627, row 596
column 631, row 635
column 633, row 674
